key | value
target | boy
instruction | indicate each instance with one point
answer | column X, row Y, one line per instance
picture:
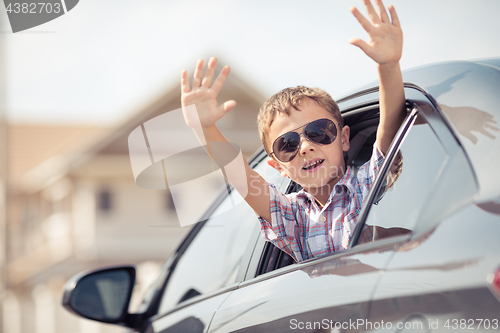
column 303, row 133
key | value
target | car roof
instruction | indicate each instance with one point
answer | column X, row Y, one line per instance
column 466, row 93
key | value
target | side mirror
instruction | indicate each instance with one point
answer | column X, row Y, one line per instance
column 102, row 295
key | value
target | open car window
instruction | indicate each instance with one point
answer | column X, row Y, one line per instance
column 408, row 176
column 363, row 133
column 411, row 170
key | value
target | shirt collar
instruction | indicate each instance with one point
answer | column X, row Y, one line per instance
column 347, row 180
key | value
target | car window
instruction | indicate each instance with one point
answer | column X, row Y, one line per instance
column 410, row 179
column 213, row 258
column 363, row 129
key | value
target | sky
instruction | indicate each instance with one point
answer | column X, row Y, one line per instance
column 102, row 61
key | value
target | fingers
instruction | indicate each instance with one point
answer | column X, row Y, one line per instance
column 219, row 82
column 184, row 82
column 360, row 43
column 383, row 14
column 227, row 106
column 207, row 80
column 485, row 132
column 394, row 16
column 491, row 127
column 471, row 137
column 198, row 72
column 372, row 14
column 488, row 117
column 381, row 17
column 361, row 19
column 204, row 82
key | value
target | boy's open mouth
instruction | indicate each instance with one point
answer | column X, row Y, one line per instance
column 312, row 164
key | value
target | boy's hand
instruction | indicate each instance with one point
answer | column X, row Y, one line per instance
column 204, row 96
column 385, row 43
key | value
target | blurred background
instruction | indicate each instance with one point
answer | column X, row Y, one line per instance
column 73, row 89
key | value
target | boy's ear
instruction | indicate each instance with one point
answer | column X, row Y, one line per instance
column 275, row 164
column 345, row 137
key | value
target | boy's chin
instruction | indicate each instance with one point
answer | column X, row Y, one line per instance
column 319, row 188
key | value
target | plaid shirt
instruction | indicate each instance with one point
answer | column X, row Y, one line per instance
column 303, row 230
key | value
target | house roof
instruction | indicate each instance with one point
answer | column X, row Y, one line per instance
column 39, row 153
column 31, row 145
column 169, row 100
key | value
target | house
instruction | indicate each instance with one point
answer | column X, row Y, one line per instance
column 73, row 205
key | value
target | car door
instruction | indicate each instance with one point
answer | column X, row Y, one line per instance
column 441, row 280
column 316, row 296
column 211, row 263
column 325, row 294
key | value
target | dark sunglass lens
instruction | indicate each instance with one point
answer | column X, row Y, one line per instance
column 321, row 131
column 285, row 147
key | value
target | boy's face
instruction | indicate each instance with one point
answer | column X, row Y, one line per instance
column 315, row 167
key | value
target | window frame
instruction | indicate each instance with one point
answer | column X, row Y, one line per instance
column 422, row 105
column 359, row 104
column 426, row 106
column 379, row 181
column 365, row 112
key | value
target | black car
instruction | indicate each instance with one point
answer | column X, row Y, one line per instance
column 440, row 181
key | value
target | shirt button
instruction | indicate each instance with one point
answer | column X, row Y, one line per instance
column 322, row 218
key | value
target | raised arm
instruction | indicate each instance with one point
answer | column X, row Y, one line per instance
column 385, row 46
column 203, row 95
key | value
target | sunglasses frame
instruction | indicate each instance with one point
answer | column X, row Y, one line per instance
column 300, row 140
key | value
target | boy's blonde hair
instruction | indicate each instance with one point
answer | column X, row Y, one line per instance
column 283, row 101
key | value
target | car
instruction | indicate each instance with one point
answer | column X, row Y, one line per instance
column 439, row 182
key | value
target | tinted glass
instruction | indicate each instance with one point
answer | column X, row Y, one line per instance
column 414, row 172
column 213, row 258
column 102, row 296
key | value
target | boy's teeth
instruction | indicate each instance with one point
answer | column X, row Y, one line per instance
column 309, row 166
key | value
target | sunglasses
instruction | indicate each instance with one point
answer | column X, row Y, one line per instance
column 321, row 131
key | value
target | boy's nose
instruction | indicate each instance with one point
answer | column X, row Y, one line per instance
column 305, row 145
